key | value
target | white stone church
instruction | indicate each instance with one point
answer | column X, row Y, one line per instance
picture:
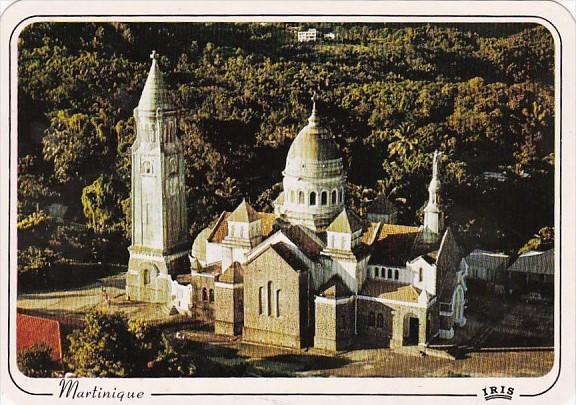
column 311, row 273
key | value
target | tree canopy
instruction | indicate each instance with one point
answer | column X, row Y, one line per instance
column 391, row 94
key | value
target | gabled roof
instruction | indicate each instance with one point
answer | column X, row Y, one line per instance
column 244, row 213
column 234, row 274
column 393, row 245
column 301, row 237
column 487, row 260
column 334, row 288
column 381, row 205
column 220, row 228
column 535, row 263
column 267, row 221
column 390, row 290
column 447, row 265
column 289, row 256
column 371, row 232
column 346, row 222
column 33, row 330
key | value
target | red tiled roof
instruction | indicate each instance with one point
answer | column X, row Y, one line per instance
column 394, row 245
column 305, row 242
column 220, row 229
column 289, row 257
column 391, row 290
column 267, row 221
column 32, row 330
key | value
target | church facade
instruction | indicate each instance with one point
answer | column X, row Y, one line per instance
column 313, row 273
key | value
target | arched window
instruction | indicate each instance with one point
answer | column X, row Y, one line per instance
column 278, row 296
column 390, row 274
column 371, row 319
column 269, row 298
column 146, row 276
column 292, row 196
column 146, row 167
column 380, row 321
column 334, row 196
column 341, row 195
column 324, row 199
column 301, row 197
column 260, row 299
column 396, row 275
column 420, row 274
column 204, row 295
column 312, row 198
column 211, row 295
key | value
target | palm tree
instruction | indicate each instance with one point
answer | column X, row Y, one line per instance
column 404, row 143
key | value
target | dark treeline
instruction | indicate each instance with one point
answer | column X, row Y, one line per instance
column 391, row 94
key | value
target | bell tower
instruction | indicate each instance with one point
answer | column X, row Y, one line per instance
column 158, row 204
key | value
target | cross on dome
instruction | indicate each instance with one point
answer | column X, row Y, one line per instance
column 154, row 55
column 313, row 119
column 314, row 98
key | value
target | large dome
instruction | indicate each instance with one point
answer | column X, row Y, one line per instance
column 313, row 150
column 313, row 143
column 314, row 177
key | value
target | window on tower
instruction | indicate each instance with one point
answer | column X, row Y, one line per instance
column 312, row 198
column 301, row 198
column 334, row 196
column 324, row 199
column 146, row 167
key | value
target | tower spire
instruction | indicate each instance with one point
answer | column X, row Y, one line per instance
column 313, row 119
column 155, row 94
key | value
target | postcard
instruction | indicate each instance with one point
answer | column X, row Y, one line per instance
column 287, row 202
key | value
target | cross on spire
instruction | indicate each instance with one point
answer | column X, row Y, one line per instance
column 154, row 55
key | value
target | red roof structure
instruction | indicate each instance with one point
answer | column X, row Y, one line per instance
column 32, row 330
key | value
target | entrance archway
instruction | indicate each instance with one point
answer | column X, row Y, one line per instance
column 411, row 330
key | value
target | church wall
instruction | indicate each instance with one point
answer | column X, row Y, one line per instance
column 228, row 312
column 202, row 306
column 334, row 323
column 368, row 328
column 347, row 270
column 395, row 317
column 270, row 327
column 213, row 252
column 380, row 272
column 148, row 277
column 428, row 282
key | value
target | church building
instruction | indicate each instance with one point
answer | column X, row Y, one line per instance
column 313, row 273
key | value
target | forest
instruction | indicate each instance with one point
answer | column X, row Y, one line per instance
column 391, row 94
